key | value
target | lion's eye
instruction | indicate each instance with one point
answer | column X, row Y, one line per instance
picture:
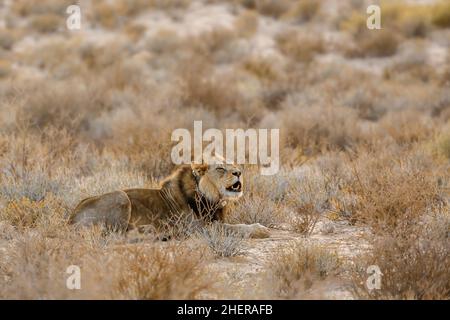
column 220, row 169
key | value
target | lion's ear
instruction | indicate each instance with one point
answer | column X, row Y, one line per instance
column 199, row 169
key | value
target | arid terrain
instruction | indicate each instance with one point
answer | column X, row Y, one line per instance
column 364, row 119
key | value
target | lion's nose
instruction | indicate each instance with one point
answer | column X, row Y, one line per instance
column 237, row 173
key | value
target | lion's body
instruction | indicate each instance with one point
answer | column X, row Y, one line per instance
column 200, row 189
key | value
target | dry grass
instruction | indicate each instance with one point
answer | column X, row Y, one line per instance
column 223, row 242
column 399, row 194
column 363, row 142
column 301, row 47
column 441, row 15
column 303, row 10
column 380, row 43
column 300, row 268
column 46, row 23
column 161, row 272
column 414, row 262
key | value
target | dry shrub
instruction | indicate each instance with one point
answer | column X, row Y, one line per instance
column 26, row 7
column 20, row 181
column 201, row 88
column 376, row 43
column 441, row 14
column 34, row 266
column 106, row 14
column 135, row 31
column 48, row 213
column 394, row 188
column 170, row 4
column 301, row 47
column 256, row 210
column 246, row 24
column 440, row 145
column 415, row 22
column 412, row 67
column 262, row 68
column 62, row 105
column 5, row 68
column 173, row 271
column 303, row 10
column 305, row 219
column 298, row 268
column 307, row 198
column 272, row 8
column 365, row 101
column 132, row 7
column 407, row 19
column 145, row 144
column 181, row 226
column 46, row 23
column 7, row 38
column 355, row 24
column 412, row 20
column 414, row 262
column 407, row 126
column 314, row 128
column 214, row 44
column 223, row 242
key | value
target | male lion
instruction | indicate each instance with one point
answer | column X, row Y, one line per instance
column 206, row 189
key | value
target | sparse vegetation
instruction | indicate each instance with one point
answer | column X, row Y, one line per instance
column 364, row 144
column 298, row 268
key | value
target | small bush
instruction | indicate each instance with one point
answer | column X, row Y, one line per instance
column 376, row 43
column 161, row 272
column 297, row 267
column 255, row 210
column 396, row 195
column 246, row 24
column 7, row 39
column 303, row 10
column 5, row 68
column 262, row 68
column 223, row 242
column 441, row 15
column 413, row 261
column 300, row 47
column 273, row 8
column 28, row 8
column 46, row 23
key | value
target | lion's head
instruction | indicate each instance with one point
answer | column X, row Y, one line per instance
column 219, row 181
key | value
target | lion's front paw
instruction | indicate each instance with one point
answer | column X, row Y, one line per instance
column 258, row 231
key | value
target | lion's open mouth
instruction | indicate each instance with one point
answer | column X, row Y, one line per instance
column 237, row 187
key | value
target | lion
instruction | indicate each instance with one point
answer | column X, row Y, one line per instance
column 207, row 190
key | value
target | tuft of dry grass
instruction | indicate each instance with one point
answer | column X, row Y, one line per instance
column 246, row 23
column 413, row 260
column 301, row 47
column 46, row 23
column 303, row 11
column 161, row 272
column 271, row 8
column 441, row 15
column 379, row 43
column 7, row 38
column 299, row 268
column 399, row 193
column 5, row 68
column 27, row 8
column 222, row 241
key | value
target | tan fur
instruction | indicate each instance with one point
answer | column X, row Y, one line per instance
column 187, row 188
